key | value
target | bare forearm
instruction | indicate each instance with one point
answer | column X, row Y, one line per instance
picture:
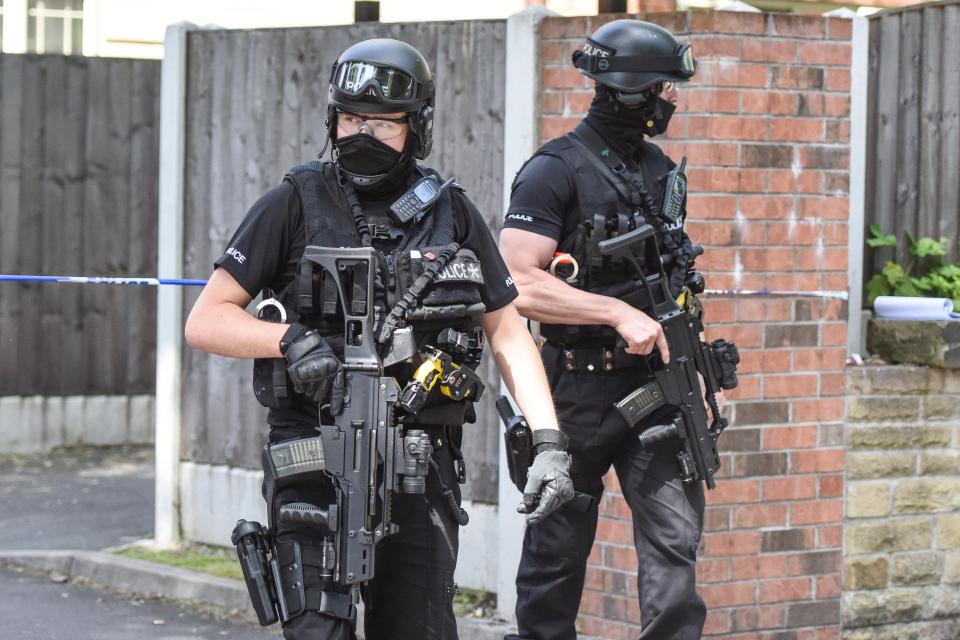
column 520, row 367
column 546, row 298
column 228, row 330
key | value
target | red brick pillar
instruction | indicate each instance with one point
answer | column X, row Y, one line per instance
column 765, row 126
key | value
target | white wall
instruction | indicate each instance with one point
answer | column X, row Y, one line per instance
column 38, row 424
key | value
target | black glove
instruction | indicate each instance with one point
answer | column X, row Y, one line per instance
column 548, row 486
column 313, row 368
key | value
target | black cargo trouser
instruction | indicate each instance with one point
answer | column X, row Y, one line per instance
column 411, row 594
column 667, row 517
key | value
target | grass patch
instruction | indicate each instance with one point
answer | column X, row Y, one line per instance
column 222, row 562
column 217, row 561
column 474, row 603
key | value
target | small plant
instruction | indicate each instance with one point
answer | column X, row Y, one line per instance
column 474, row 603
column 926, row 275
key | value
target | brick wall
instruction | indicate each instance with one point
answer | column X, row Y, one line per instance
column 902, row 535
column 765, row 126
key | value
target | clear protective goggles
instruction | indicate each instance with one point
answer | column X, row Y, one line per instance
column 355, row 78
column 379, row 127
column 640, row 97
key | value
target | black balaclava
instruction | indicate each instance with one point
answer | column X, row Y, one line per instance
column 623, row 127
column 364, row 155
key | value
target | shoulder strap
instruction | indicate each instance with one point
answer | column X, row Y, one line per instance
column 326, row 212
column 608, row 163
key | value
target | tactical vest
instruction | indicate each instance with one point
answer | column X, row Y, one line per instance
column 453, row 301
column 601, row 209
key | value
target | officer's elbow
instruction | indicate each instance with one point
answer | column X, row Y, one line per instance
column 193, row 331
column 524, row 301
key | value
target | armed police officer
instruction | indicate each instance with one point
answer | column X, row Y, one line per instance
column 574, row 207
column 380, row 280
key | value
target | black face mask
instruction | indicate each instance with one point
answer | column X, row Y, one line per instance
column 658, row 112
column 364, row 155
column 625, row 127
column 375, row 167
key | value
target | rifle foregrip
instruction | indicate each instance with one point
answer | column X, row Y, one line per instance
column 657, row 433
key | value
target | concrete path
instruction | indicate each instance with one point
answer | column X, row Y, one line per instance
column 58, row 510
column 81, row 499
column 35, row 607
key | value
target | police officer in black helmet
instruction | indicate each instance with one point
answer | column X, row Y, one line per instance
column 380, row 119
column 575, row 191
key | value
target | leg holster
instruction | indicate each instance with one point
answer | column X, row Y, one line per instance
column 288, row 567
column 304, row 584
column 284, row 578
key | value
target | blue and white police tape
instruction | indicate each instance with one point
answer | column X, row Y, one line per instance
column 839, row 295
column 186, row 282
column 182, row 282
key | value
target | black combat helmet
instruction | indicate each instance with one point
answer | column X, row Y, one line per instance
column 384, row 76
column 629, row 56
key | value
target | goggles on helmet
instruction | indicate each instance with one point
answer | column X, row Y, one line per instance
column 681, row 63
column 357, row 78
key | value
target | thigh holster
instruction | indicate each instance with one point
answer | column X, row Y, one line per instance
column 285, row 578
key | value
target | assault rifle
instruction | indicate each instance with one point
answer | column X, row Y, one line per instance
column 367, row 454
column 676, row 386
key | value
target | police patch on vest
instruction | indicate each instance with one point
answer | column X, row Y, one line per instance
column 456, row 290
column 462, row 269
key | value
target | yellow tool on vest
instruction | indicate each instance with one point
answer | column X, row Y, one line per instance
column 415, row 393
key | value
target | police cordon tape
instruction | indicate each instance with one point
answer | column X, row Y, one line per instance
column 153, row 282
column 838, row 295
column 186, row 282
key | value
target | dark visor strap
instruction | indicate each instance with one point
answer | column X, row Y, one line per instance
column 600, row 64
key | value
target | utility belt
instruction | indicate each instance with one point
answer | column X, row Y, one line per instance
column 596, row 359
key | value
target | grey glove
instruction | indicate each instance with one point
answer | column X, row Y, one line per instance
column 314, row 368
column 548, row 485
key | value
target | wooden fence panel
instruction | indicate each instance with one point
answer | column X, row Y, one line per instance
column 78, row 195
column 949, row 138
column 256, row 104
column 913, row 129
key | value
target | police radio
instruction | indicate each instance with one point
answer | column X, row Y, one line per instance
column 418, row 198
column 674, row 192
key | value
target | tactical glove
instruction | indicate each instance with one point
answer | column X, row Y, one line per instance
column 313, row 366
column 548, row 481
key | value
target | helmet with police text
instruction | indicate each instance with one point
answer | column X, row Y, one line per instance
column 384, row 76
column 630, row 56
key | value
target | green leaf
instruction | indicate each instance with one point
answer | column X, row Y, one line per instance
column 911, row 242
column 881, row 239
column 877, row 286
column 893, row 273
column 924, row 284
column 907, row 288
column 925, row 247
column 948, row 271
